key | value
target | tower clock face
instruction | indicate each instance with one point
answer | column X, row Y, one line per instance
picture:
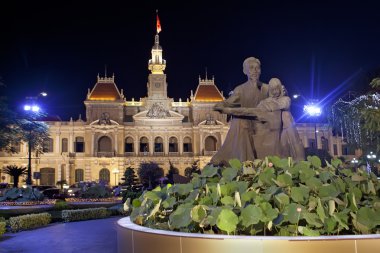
column 157, row 85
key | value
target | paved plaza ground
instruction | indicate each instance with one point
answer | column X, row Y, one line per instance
column 82, row 236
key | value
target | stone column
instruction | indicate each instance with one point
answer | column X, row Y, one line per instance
column 57, row 148
column 92, row 148
column 67, row 173
column 116, row 144
column 71, row 142
column 151, row 145
column 87, row 173
column 180, row 144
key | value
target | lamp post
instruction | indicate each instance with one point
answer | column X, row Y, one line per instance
column 371, row 158
column 115, row 171
column 31, row 107
column 313, row 110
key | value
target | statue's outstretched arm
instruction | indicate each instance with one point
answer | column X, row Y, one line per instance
column 231, row 101
column 243, row 111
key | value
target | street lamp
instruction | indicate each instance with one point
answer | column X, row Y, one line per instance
column 115, row 171
column 31, row 107
column 313, row 110
column 371, row 157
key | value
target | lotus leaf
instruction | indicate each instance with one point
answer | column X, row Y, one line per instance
column 269, row 213
column 181, row 218
column 235, row 164
column 328, row 191
column 251, row 215
column 198, row 213
column 299, row 194
column 307, row 231
column 229, row 174
column 228, row 201
column 169, row 202
column 209, row 171
column 284, row 180
column 227, row 220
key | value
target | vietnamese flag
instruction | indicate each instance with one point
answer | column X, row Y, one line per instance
column 158, row 25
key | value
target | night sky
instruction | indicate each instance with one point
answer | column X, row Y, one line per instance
column 317, row 48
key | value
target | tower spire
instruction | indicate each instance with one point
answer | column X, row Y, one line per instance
column 157, row 64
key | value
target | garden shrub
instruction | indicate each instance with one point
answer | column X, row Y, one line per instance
column 85, row 214
column 266, row 197
column 61, row 205
column 2, row 228
column 29, row 221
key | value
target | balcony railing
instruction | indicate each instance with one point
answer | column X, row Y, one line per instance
column 209, row 153
column 105, row 154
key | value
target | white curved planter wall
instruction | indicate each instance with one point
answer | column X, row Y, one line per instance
column 137, row 239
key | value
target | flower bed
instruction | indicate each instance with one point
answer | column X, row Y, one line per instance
column 117, row 200
column 138, row 239
column 270, row 197
column 28, row 203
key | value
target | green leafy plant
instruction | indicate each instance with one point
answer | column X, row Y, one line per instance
column 266, row 197
column 29, row 221
column 2, row 228
column 22, row 195
column 15, row 172
column 85, row 214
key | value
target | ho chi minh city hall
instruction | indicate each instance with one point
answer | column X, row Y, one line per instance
column 118, row 133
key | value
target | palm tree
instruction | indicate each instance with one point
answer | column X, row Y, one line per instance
column 15, row 172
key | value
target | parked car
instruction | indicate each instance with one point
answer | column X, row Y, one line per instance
column 74, row 190
column 54, row 193
column 43, row 187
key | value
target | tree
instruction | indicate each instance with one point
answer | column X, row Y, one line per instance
column 15, row 172
column 16, row 128
column 172, row 170
column 193, row 169
column 358, row 120
column 9, row 133
column 149, row 174
column 130, row 177
column 34, row 133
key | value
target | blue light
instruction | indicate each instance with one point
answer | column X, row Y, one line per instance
column 35, row 108
column 27, row 107
column 313, row 110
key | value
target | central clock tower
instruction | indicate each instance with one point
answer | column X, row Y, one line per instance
column 157, row 86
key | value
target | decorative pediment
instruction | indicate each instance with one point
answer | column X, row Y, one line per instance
column 102, row 123
column 157, row 111
column 173, row 118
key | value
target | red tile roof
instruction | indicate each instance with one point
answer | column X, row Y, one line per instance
column 105, row 91
column 208, row 93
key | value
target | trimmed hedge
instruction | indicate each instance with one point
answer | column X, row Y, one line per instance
column 2, row 228
column 29, row 221
column 85, row 214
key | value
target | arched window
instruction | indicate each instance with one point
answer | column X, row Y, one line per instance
column 128, row 145
column 173, row 144
column 210, row 143
column 79, row 144
column 144, row 144
column 47, row 145
column 158, row 145
column 64, row 146
column 104, row 144
column 79, row 175
column 187, row 145
column 104, row 175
